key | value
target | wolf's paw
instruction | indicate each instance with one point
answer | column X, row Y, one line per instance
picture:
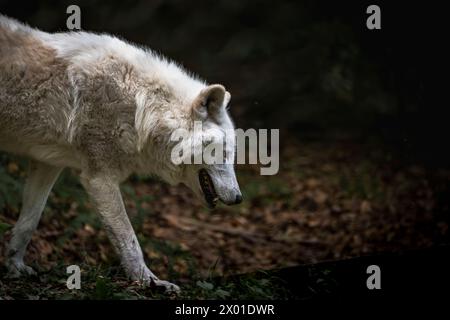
column 145, row 277
column 17, row 269
column 166, row 285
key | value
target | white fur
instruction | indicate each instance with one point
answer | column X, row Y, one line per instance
column 82, row 128
column 41, row 178
column 84, row 49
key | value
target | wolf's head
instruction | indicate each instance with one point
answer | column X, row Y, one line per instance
column 214, row 178
column 198, row 130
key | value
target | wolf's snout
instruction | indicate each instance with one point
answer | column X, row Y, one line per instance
column 219, row 184
column 232, row 198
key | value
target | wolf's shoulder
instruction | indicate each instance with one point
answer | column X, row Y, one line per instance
column 93, row 52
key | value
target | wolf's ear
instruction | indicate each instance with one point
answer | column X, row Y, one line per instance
column 211, row 100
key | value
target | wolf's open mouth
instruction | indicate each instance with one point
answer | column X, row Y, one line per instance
column 208, row 188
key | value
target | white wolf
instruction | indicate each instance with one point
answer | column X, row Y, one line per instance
column 106, row 108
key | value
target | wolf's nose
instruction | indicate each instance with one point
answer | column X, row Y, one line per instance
column 238, row 199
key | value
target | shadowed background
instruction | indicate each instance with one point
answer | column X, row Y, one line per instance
column 363, row 159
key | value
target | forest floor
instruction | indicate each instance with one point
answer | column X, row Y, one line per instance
column 325, row 204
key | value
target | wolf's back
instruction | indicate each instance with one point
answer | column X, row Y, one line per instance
column 34, row 95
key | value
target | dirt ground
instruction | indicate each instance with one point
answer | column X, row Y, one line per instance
column 325, row 204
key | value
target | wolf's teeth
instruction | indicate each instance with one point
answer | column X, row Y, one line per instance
column 208, row 188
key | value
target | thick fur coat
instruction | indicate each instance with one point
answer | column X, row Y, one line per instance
column 106, row 108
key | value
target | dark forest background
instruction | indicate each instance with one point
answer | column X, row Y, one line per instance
column 364, row 141
column 308, row 66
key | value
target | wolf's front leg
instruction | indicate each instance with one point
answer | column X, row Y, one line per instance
column 107, row 198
